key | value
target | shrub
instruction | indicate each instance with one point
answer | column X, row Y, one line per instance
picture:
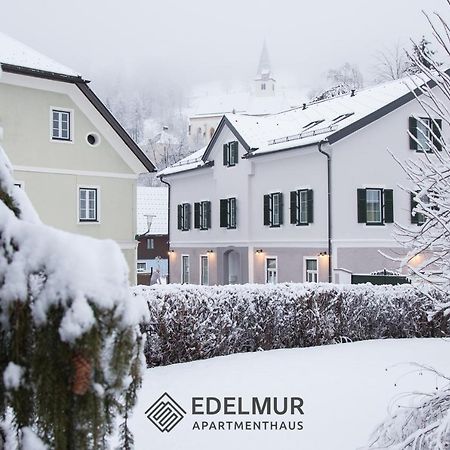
column 189, row 322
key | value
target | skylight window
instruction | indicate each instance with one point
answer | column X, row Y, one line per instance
column 312, row 124
column 341, row 117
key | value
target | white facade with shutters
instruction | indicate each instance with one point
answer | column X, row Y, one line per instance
column 363, row 133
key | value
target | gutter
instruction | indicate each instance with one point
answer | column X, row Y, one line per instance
column 329, row 224
column 168, row 229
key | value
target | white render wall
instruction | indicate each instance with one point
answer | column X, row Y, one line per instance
column 361, row 160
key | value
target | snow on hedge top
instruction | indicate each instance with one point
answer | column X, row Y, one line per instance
column 17, row 54
column 56, row 268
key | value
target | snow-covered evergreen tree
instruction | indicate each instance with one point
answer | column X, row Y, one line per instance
column 70, row 348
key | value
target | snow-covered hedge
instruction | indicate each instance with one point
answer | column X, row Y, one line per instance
column 194, row 322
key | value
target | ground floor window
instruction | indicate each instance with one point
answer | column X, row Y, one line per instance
column 185, row 269
column 271, row 270
column 141, row 266
column 204, row 270
column 311, row 270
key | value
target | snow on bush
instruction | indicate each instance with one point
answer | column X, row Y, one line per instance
column 70, row 351
column 190, row 322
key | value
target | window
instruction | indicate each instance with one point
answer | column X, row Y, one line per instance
column 61, row 125
column 273, row 209
column 230, row 154
column 302, row 207
column 202, row 215
column 417, row 217
column 341, row 118
column 204, row 270
column 375, row 206
column 88, row 205
column 312, row 124
column 184, row 217
column 228, row 213
column 141, row 266
column 271, row 270
column 424, row 133
column 150, row 244
column 184, row 269
column 311, row 270
column 263, row 86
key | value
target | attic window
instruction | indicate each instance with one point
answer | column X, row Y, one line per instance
column 312, row 124
column 341, row 117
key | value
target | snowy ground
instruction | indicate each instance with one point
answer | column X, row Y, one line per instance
column 346, row 390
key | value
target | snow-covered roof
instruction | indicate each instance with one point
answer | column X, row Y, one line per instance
column 317, row 121
column 193, row 161
column 310, row 123
column 152, row 201
column 15, row 53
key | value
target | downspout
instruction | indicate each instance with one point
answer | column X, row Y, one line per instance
column 329, row 224
column 168, row 229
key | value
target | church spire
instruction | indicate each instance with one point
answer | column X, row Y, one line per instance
column 264, row 69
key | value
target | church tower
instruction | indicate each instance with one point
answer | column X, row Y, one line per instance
column 264, row 82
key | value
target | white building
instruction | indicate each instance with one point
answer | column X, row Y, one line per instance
column 305, row 195
column 77, row 164
column 262, row 97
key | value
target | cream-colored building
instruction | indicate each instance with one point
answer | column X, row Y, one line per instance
column 76, row 163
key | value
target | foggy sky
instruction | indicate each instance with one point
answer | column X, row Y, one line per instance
column 182, row 42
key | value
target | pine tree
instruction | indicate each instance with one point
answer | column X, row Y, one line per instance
column 67, row 350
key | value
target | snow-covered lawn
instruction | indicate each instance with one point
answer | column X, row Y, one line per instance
column 346, row 390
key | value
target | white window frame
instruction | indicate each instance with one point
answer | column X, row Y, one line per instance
column 182, row 278
column 424, row 135
column 266, row 269
column 71, row 125
column 231, row 212
column 306, row 271
column 381, row 197
column 186, row 221
column 203, row 216
column 202, row 257
column 139, row 270
column 150, row 241
column 98, row 198
column 302, row 207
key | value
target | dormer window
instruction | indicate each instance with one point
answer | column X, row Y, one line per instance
column 230, row 154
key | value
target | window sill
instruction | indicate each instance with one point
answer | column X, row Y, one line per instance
column 375, row 224
column 274, row 226
column 88, row 222
column 302, row 224
column 61, row 141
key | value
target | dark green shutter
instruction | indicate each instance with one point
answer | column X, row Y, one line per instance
column 413, row 131
column 310, row 206
column 293, row 204
column 188, row 216
column 267, row 209
column 281, row 203
column 180, row 217
column 388, row 206
column 437, row 131
column 414, row 216
column 225, row 154
column 207, row 211
column 223, row 213
column 235, row 152
column 362, row 206
column 196, row 215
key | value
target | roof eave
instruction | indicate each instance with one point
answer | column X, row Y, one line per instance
column 203, row 166
column 82, row 84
